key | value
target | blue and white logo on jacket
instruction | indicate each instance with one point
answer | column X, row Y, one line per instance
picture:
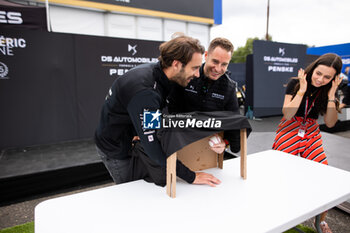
column 151, row 119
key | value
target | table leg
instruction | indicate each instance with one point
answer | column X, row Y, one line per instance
column 317, row 223
column 221, row 160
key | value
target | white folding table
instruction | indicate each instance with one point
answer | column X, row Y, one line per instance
column 280, row 192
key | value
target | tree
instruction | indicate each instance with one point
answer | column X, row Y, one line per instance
column 240, row 54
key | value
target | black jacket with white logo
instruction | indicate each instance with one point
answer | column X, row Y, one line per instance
column 205, row 95
column 144, row 87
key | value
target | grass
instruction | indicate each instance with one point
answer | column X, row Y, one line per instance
column 29, row 228
column 301, row 227
column 23, row 228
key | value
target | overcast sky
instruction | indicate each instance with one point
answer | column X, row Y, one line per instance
column 310, row 22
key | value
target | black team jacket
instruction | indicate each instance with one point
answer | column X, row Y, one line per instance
column 205, row 95
column 144, row 87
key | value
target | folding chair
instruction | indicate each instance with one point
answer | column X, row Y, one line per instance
column 198, row 156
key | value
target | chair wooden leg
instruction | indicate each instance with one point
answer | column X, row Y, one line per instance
column 243, row 153
column 221, row 160
column 171, row 175
column 221, row 156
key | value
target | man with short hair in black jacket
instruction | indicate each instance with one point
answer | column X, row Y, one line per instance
column 214, row 90
column 145, row 88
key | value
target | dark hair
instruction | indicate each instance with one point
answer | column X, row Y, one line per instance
column 330, row 60
column 221, row 42
column 180, row 48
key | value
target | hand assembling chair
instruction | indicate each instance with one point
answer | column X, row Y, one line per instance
column 198, row 156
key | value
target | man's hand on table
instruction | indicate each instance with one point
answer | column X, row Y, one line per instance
column 205, row 178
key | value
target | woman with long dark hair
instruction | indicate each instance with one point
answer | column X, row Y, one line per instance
column 309, row 95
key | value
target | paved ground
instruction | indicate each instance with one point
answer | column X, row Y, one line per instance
column 338, row 221
column 23, row 212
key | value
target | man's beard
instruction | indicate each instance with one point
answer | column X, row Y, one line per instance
column 181, row 79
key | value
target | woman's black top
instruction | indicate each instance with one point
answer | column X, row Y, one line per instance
column 311, row 93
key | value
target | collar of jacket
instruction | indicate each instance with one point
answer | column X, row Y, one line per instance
column 201, row 72
column 165, row 85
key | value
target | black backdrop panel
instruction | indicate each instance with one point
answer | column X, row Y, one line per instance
column 238, row 72
column 37, row 96
column 15, row 15
column 249, row 82
column 99, row 61
column 274, row 63
column 52, row 85
column 310, row 58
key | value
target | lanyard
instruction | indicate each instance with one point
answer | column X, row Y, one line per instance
column 307, row 110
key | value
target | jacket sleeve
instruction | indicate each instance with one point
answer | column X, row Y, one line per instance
column 150, row 100
column 146, row 100
column 184, row 172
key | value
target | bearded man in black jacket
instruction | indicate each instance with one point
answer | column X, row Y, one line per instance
column 145, row 88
